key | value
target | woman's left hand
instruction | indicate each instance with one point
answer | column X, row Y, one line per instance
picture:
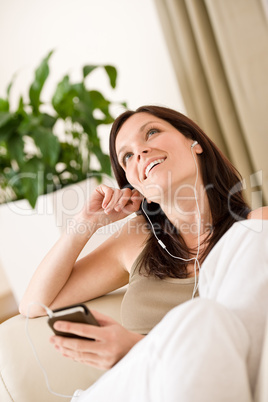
column 112, row 341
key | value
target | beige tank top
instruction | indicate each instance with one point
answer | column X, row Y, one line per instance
column 148, row 299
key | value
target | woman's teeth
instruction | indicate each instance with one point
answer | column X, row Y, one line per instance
column 151, row 165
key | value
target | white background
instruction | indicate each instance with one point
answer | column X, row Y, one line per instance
column 124, row 33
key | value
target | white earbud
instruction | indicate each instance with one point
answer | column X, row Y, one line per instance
column 194, row 144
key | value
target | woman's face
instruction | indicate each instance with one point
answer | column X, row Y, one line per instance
column 155, row 156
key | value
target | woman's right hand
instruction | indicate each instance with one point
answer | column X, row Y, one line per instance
column 107, row 205
column 112, row 341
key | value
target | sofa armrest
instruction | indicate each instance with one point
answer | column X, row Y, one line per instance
column 21, row 379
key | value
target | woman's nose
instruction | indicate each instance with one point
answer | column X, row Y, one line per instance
column 142, row 151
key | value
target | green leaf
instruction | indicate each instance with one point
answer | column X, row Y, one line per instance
column 10, row 179
column 63, row 87
column 77, row 104
column 10, row 85
column 41, row 74
column 28, row 123
column 99, row 102
column 103, row 159
column 4, row 105
column 3, row 150
column 15, row 146
column 124, row 104
column 21, row 106
column 112, row 74
column 9, row 88
column 5, row 118
column 62, row 100
column 68, row 152
column 32, row 180
column 48, row 144
column 9, row 123
column 88, row 69
column 47, row 120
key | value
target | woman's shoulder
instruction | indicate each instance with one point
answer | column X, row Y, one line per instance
column 136, row 226
column 131, row 240
column 259, row 213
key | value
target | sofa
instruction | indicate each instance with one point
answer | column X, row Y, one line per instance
column 21, row 379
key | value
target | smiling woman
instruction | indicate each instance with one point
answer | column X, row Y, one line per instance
column 187, row 196
column 170, row 190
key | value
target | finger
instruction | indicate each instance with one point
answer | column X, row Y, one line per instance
column 137, row 196
column 98, row 363
column 110, row 195
column 134, row 202
column 106, row 192
column 90, row 359
column 124, row 199
column 77, row 356
column 100, row 359
column 83, row 330
column 117, row 194
column 76, row 345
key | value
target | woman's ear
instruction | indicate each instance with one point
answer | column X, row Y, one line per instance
column 194, row 146
column 198, row 149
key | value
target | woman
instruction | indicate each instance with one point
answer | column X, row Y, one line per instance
column 192, row 197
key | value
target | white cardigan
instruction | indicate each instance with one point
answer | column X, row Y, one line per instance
column 207, row 349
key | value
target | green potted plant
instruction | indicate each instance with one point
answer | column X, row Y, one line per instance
column 34, row 158
column 46, row 147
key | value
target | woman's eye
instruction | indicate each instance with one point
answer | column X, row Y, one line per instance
column 126, row 158
column 152, row 131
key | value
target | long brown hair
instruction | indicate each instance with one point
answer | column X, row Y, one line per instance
column 222, row 183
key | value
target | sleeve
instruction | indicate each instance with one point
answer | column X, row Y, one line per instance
column 235, row 275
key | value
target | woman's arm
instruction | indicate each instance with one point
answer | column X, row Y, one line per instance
column 60, row 280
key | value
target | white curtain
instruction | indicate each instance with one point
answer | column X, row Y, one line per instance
column 219, row 49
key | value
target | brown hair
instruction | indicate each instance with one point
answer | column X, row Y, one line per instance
column 223, row 188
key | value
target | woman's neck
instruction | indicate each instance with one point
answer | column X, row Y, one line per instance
column 190, row 218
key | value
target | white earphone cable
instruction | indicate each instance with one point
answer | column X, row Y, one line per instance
column 195, row 259
column 50, row 314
